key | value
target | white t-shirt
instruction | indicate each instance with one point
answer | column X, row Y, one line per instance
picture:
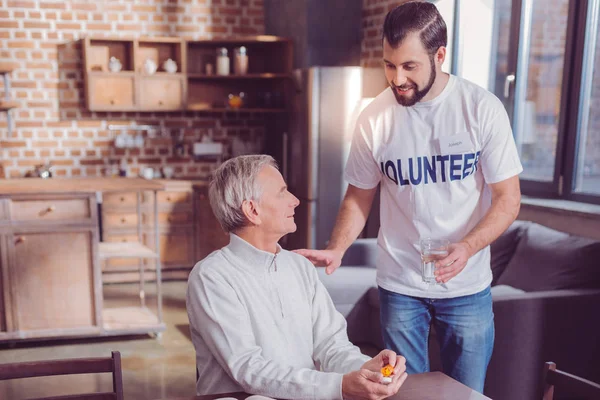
column 433, row 161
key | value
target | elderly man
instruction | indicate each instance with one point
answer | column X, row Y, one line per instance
column 261, row 321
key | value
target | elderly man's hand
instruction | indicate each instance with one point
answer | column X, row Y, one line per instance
column 365, row 385
column 384, row 358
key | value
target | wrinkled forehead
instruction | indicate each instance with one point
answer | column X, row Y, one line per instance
column 269, row 180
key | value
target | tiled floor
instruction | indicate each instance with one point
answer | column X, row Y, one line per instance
column 152, row 368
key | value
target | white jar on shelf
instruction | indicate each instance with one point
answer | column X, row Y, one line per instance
column 222, row 61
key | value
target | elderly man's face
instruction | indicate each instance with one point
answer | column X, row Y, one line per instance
column 277, row 204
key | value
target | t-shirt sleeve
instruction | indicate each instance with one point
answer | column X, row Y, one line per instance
column 361, row 169
column 499, row 159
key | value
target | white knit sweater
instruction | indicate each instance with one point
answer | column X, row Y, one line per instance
column 262, row 322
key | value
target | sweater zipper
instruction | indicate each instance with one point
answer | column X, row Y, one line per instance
column 274, row 262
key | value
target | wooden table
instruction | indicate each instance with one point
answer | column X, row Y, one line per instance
column 428, row 386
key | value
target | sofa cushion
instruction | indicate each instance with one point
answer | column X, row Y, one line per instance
column 500, row 291
column 547, row 259
column 361, row 252
column 503, row 248
column 347, row 285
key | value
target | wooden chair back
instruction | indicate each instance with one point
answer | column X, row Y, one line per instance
column 571, row 385
column 67, row 367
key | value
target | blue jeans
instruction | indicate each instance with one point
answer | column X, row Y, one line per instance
column 464, row 327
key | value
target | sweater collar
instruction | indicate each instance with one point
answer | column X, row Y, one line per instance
column 249, row 254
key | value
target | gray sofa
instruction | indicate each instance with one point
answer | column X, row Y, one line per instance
column 546, row 299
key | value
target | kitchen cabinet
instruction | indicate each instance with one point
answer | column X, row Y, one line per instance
column 133, row 87
column 164, row 92
column 52, row 280
column 50, row 261
column 111, row 92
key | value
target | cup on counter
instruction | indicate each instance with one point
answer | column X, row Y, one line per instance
column 432, row 250
column 168, row 172
column 148, row 173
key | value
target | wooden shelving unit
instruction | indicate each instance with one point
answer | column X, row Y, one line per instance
column 204, row 108
column 6, row 68
column 133, row 320
column 130, row 320
column 190, row 88
column 240, row 77
column 132, row 88
column 264, row 86
column 124, row 250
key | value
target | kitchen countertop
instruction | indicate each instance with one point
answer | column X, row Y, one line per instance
column 77, row 185
column 182, row 184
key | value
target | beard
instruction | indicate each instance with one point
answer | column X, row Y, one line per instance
column 418, row 94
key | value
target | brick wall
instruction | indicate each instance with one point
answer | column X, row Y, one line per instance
column 374, row 12
column 52, row 123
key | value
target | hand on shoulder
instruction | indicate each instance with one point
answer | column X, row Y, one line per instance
column 330, row 259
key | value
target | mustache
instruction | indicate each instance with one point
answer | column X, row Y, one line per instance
column 403, row 87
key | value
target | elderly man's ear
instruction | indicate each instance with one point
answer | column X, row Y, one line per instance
column 251, row 211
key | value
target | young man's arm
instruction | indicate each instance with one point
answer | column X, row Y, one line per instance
column 506, row 202
column 350, row 222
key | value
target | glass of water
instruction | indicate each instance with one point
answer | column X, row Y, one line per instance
column 432, row 250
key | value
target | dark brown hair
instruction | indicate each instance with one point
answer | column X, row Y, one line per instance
column 416, row 16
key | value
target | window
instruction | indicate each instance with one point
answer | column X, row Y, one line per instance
column 587, row 166
column 542, row 59
column 446, row 9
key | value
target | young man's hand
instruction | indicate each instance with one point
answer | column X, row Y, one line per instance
column 456, row 260
column 323, row 258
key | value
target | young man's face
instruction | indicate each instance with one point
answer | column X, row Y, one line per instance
column 409, row 69
column 277, row 204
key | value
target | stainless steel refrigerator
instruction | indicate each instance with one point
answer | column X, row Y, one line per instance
column 326, row 104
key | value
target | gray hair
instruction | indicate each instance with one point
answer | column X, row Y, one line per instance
column 232, row 183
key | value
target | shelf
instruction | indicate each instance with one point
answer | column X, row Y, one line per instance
column 160, row 39
column 191, row 107
column 130, row 319
column 6, row 67
column 162, row 74
column 124, row 250
column 234, row 77
column 6, row 105
column 242, row 40
column 111, row 74
column 111, row 39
